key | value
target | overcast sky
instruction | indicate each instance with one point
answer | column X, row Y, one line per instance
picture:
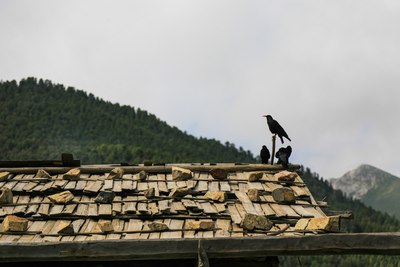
column 328, row 71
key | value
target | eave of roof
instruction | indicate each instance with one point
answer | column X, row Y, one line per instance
column 243, row 247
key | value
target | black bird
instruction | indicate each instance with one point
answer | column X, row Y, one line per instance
column 276, row 128
column 265, row 155
column 283, row 155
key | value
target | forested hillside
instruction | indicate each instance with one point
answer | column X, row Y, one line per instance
column 41, row 120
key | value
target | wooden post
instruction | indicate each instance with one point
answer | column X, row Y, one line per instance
column 273, row 149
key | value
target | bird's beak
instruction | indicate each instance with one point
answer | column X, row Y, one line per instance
column 264, row 115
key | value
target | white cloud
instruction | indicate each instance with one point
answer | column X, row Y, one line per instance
column 328, row 71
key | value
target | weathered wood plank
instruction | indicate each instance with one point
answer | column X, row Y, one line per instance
column 32, row 209
column 235, row 215
column 142, row 186
column 156, row 235
column 129, row 207
column 56, row 210
column 117, row 188
column 94, row 228
column 258, row 209
column 10, row 185
column 241, row 210
column 59, row 184
column 44, row 209
column 38, row 187
column 225, row 186
column 29, row 186
column 188, row 234
column 202, row 186
column 328, row 244
column 47, row 230
column 299, row 191
column 133, row 225
column 87, row 223
column 19, row 186
column 20, row 210
column 162, row 185
column 145, row 235
column 152, row 207
column 92, row 210
column 279, row 211
column 164, row 206
column 290, row 212
column 93, row 187
column 237, row 231
column 247, row 204
column 178, row 207
column 208, row 208
column 316, row 213
column 117, row 206
column 154, row 184
column 214, row 186
column 170, row 183
column 243, row 187
column 165, row 235
column 220, row 207
column 127, row 185
column 225, row 227
column 77, row 224
column 80, row 185
column 47, row 186
column 191, row 184
column 142, row 208
column 268, row 211
column 118, row 225
column 70, row 185
column 256, row 185
column 105, row 210
column 181, row 184
column 108, row 185
column 175, row 224
column 69, row 209
column 302, row 211
column 82, row 209
column 188, row 203
column 152, row 169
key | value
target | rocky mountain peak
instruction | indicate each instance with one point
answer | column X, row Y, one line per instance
column 356, row 183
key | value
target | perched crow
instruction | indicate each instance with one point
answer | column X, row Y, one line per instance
column 264, row 154
column 276, row 128
column 283, row 155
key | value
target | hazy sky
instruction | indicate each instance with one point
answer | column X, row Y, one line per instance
column 328, row 71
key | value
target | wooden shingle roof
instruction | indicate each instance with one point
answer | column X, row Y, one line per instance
column 148, row 204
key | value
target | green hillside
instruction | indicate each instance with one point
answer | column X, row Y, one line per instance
column 385, row 197
column 41, row 120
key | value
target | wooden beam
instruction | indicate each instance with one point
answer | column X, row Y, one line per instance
column 243, row 247
column 273, row 148
column 100, row 169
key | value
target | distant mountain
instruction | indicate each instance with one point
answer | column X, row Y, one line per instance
column 40, row 120
column 372, row 186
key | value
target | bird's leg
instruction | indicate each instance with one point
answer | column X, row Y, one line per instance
column 273, row 149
